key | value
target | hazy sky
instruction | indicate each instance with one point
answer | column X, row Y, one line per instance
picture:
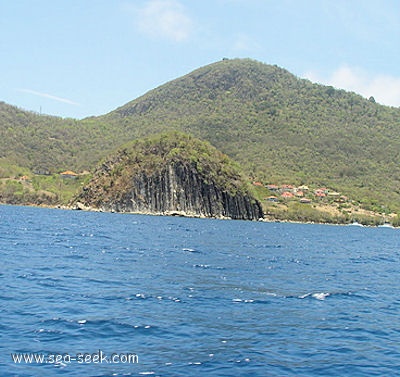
column 76, row 58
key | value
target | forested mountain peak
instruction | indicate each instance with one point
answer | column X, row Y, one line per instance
column 242, row 79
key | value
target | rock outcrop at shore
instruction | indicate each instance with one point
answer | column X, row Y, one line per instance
column 172, row 174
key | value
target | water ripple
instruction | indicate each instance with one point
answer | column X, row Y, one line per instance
column 196, row 297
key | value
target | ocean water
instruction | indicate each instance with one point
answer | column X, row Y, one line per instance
column 195, row 297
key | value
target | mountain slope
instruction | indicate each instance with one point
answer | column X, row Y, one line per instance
column 44, row 142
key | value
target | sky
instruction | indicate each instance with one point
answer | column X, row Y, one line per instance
column 79, row 58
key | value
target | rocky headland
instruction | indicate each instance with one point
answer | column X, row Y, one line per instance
column 170, row 174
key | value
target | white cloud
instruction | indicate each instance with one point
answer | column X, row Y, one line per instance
column 384, row 88
column 49, row 96
column 164, row 19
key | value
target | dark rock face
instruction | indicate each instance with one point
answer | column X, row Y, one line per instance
column 178, row 189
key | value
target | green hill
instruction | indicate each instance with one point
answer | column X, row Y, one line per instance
column 171, row 173
column 279, row 128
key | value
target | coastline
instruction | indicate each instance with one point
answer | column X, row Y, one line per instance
column 267, row 219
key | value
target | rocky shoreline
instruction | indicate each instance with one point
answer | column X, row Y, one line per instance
column 81, row 207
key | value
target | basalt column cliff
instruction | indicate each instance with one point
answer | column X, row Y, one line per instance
column 171, row 174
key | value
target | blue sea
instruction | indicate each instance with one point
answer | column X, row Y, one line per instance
column 195, row 297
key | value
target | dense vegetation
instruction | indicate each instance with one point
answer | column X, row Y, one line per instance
column 46, row 143
column 280, row 128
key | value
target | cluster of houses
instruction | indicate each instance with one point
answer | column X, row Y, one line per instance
column 302, row 193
